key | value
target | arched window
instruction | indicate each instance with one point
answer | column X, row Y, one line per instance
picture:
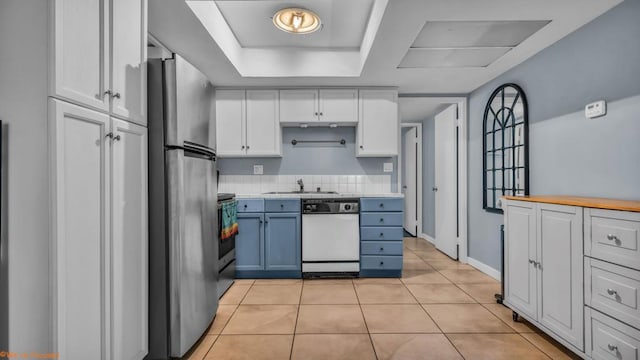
column 505, row 146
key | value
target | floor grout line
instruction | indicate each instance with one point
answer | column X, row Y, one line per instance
column 364, row 319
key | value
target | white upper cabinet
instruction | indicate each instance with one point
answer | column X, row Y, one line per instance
column 128, row 60
column 378, row 127
column 263, row 130
column 81, row 52
column 99, row 55
column 247, row 123
column 230, row 123
column 298, row 106
column 338, row 106
column 318, row 107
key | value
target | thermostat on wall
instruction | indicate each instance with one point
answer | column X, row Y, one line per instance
column 595, row 109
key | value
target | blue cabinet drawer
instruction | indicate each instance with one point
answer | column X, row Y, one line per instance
column 381, row 219
column 250, row 205
column 282, row 205
column 381, row 204
column 381, row 233
column 368, row 262
column 381, row 247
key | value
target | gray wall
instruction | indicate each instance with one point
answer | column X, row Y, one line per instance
column 314, row 159
column 570, row 154
column 24, row 254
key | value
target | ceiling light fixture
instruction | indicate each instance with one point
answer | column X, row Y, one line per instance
column 297, row 21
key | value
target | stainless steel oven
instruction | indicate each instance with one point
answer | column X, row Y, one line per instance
column 226, row 250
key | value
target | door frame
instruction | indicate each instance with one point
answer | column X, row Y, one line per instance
column 463, row 124
column 419, row 189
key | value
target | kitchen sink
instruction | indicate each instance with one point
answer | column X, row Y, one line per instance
column 301, row 192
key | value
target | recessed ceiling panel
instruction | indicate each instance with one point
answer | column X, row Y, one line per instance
column 438, row 34
column 446, row 58
column 343, row 23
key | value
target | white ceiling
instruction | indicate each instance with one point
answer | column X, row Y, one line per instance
column 343, row 23
column 417, row 109
column 393, row 26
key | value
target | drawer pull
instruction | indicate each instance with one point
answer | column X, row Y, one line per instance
column 381, row 249
column 245, row 206
column 612, row 292
column 381, row 205
column 612, row 347
column 612, row 237
column 381, row 234
column 381, row 220
column 281, row 205
column 381, row 263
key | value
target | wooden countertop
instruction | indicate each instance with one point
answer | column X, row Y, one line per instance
column 597, row 203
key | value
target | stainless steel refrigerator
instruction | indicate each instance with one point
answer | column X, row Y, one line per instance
column 183, row 238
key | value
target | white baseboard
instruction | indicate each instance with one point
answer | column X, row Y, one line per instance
column 484, row 268
column 428, row 238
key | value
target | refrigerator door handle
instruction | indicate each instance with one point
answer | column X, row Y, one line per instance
column 199, row 149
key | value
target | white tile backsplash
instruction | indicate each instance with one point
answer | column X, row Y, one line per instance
column 258, row 184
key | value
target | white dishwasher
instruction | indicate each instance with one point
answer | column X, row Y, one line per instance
column 330, row 237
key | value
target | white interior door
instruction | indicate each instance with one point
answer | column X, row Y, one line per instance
column 410, row 181
column 446, row 199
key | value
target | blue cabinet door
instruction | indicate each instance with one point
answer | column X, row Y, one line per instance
column 283, row 241
column 250, row 242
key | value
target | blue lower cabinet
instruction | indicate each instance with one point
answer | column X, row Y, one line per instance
column 381, row 237
column 250, row 242
column 283, row 241
column 268, row 245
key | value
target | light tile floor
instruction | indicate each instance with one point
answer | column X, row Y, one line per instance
column 439, row 309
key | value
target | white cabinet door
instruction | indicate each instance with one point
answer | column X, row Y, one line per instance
column 230, row 123
column 298, row 106
column 378, row 123
column 338, row 106
column 80, row 52
column 520, row 253
column 129, row 55
column 129, row 234
column 79, row 250
column 560, row 290
column 263, row 128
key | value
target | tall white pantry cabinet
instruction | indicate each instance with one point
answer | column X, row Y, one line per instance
column 76, row 136
column 98, row 143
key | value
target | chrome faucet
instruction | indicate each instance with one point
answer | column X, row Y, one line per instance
column 301, row 184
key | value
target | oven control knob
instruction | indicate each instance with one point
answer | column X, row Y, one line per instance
column 347, row 207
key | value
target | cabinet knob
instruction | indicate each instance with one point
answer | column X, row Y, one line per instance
column 381, row 220
column 361, row 147
column 612, row 292
column 321, row 114
column 434, row 188
column 381, row 249
column 612, row 347
column 116, row 95
column 109, row 135
column 381, row 234
column 381, row 262
column 612, row 237
column 242, row 147
column 247, row 147
column 117, row 138
column 108, row 92
column 245, row 206
column 281, row 206
column 381, row 205
column 316, row 113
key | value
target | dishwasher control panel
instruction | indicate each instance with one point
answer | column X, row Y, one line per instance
column 330, row 206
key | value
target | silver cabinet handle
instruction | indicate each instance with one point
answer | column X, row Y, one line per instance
column 612, row 347
column 532, row 262
column 435, row 188
column 116, row 95
column 117, row 138
column 108, row 92
column 109, row 135
column 612, row 237
column 612, row 292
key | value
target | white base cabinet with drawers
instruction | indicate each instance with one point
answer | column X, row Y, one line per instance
column 574, row 272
